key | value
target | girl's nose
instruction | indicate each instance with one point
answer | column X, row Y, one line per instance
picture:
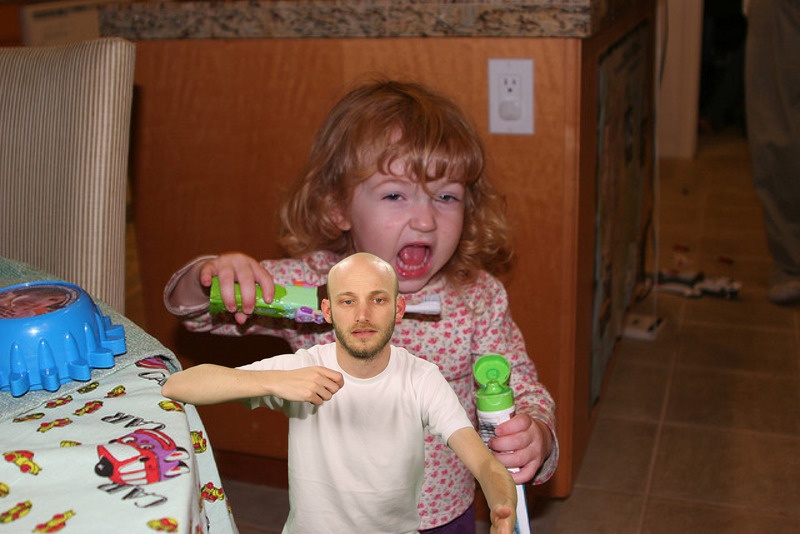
column 423, row 217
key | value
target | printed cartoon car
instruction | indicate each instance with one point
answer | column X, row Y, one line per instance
column 59, row 402
column 24, row 459
column 44, row 427
column 89, row 387
column 15, row 512
column 199, row 442
column 153, row 362
column 118, row 391
column 89, row 407
column 171, row 406
column 212, row 493
column 144, row 456
column 29, row 417
column 165, row 524
column 58, row 522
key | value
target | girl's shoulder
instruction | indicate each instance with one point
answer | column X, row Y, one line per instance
column 484, row 293
column 485, row 287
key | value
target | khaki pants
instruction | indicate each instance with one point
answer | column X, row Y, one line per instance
column 772, row 92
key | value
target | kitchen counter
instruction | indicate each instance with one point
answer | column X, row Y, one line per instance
column 359, row 19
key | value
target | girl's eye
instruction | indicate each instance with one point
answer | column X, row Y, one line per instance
column 393, row 196
column 447, row 198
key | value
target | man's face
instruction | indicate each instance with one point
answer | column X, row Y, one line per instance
column 363, row 307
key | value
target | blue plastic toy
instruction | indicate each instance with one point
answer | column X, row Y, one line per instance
column 52, row 333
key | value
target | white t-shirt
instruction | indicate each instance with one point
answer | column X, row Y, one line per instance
column 356, row 462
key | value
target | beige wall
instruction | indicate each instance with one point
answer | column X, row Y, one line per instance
column 679, row 47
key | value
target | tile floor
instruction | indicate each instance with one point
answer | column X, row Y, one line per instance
column 699, row 429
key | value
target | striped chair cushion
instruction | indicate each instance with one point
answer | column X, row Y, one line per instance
column 65, row 114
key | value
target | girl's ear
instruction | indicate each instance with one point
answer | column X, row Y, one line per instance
column 340, row 219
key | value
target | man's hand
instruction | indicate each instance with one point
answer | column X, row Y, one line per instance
column 503, row 520
column 308, row 384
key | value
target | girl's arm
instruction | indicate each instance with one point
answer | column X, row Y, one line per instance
column 211, row 384
column 185, row 290
column 495, row 481
column 188, row 290
column 528, row 441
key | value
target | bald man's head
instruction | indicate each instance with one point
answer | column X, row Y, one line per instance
column 363, row 305
column 363, row 262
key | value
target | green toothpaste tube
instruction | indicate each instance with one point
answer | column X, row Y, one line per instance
column 300, row 303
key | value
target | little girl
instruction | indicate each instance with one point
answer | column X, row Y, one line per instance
column 396, row 170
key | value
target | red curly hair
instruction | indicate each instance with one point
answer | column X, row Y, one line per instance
column 369, row 128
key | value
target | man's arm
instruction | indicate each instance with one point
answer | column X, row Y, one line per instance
column 495, row 481
column 211, row 384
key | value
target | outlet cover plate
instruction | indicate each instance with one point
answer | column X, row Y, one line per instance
column 511, row 96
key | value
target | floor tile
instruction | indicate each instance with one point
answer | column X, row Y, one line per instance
column 732, row 468
column 734, row 219
column 736, row 194
column 750, row 309
column 659, row 352
column 743, row 349
column 257, row 509
column 750, row 271
column 669, row 517
column 636, row 391
column 619, row 456
column 662, row 349
column 737, row 400
column 590, row 511
column 735, row 242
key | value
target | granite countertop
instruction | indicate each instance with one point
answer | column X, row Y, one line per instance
column 357, row 18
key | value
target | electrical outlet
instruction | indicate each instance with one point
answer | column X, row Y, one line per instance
column 511, row 96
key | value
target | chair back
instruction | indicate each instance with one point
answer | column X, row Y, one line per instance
column 65, row 115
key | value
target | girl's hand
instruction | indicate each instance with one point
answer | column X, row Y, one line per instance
column 522, row 443
column 237, row 267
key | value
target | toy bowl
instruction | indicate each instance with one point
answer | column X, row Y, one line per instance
column 52, row 333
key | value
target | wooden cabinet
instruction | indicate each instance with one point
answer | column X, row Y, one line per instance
column 10, row 28
column 221, row 126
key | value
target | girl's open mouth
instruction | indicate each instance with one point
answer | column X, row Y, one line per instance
column 413, row 261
